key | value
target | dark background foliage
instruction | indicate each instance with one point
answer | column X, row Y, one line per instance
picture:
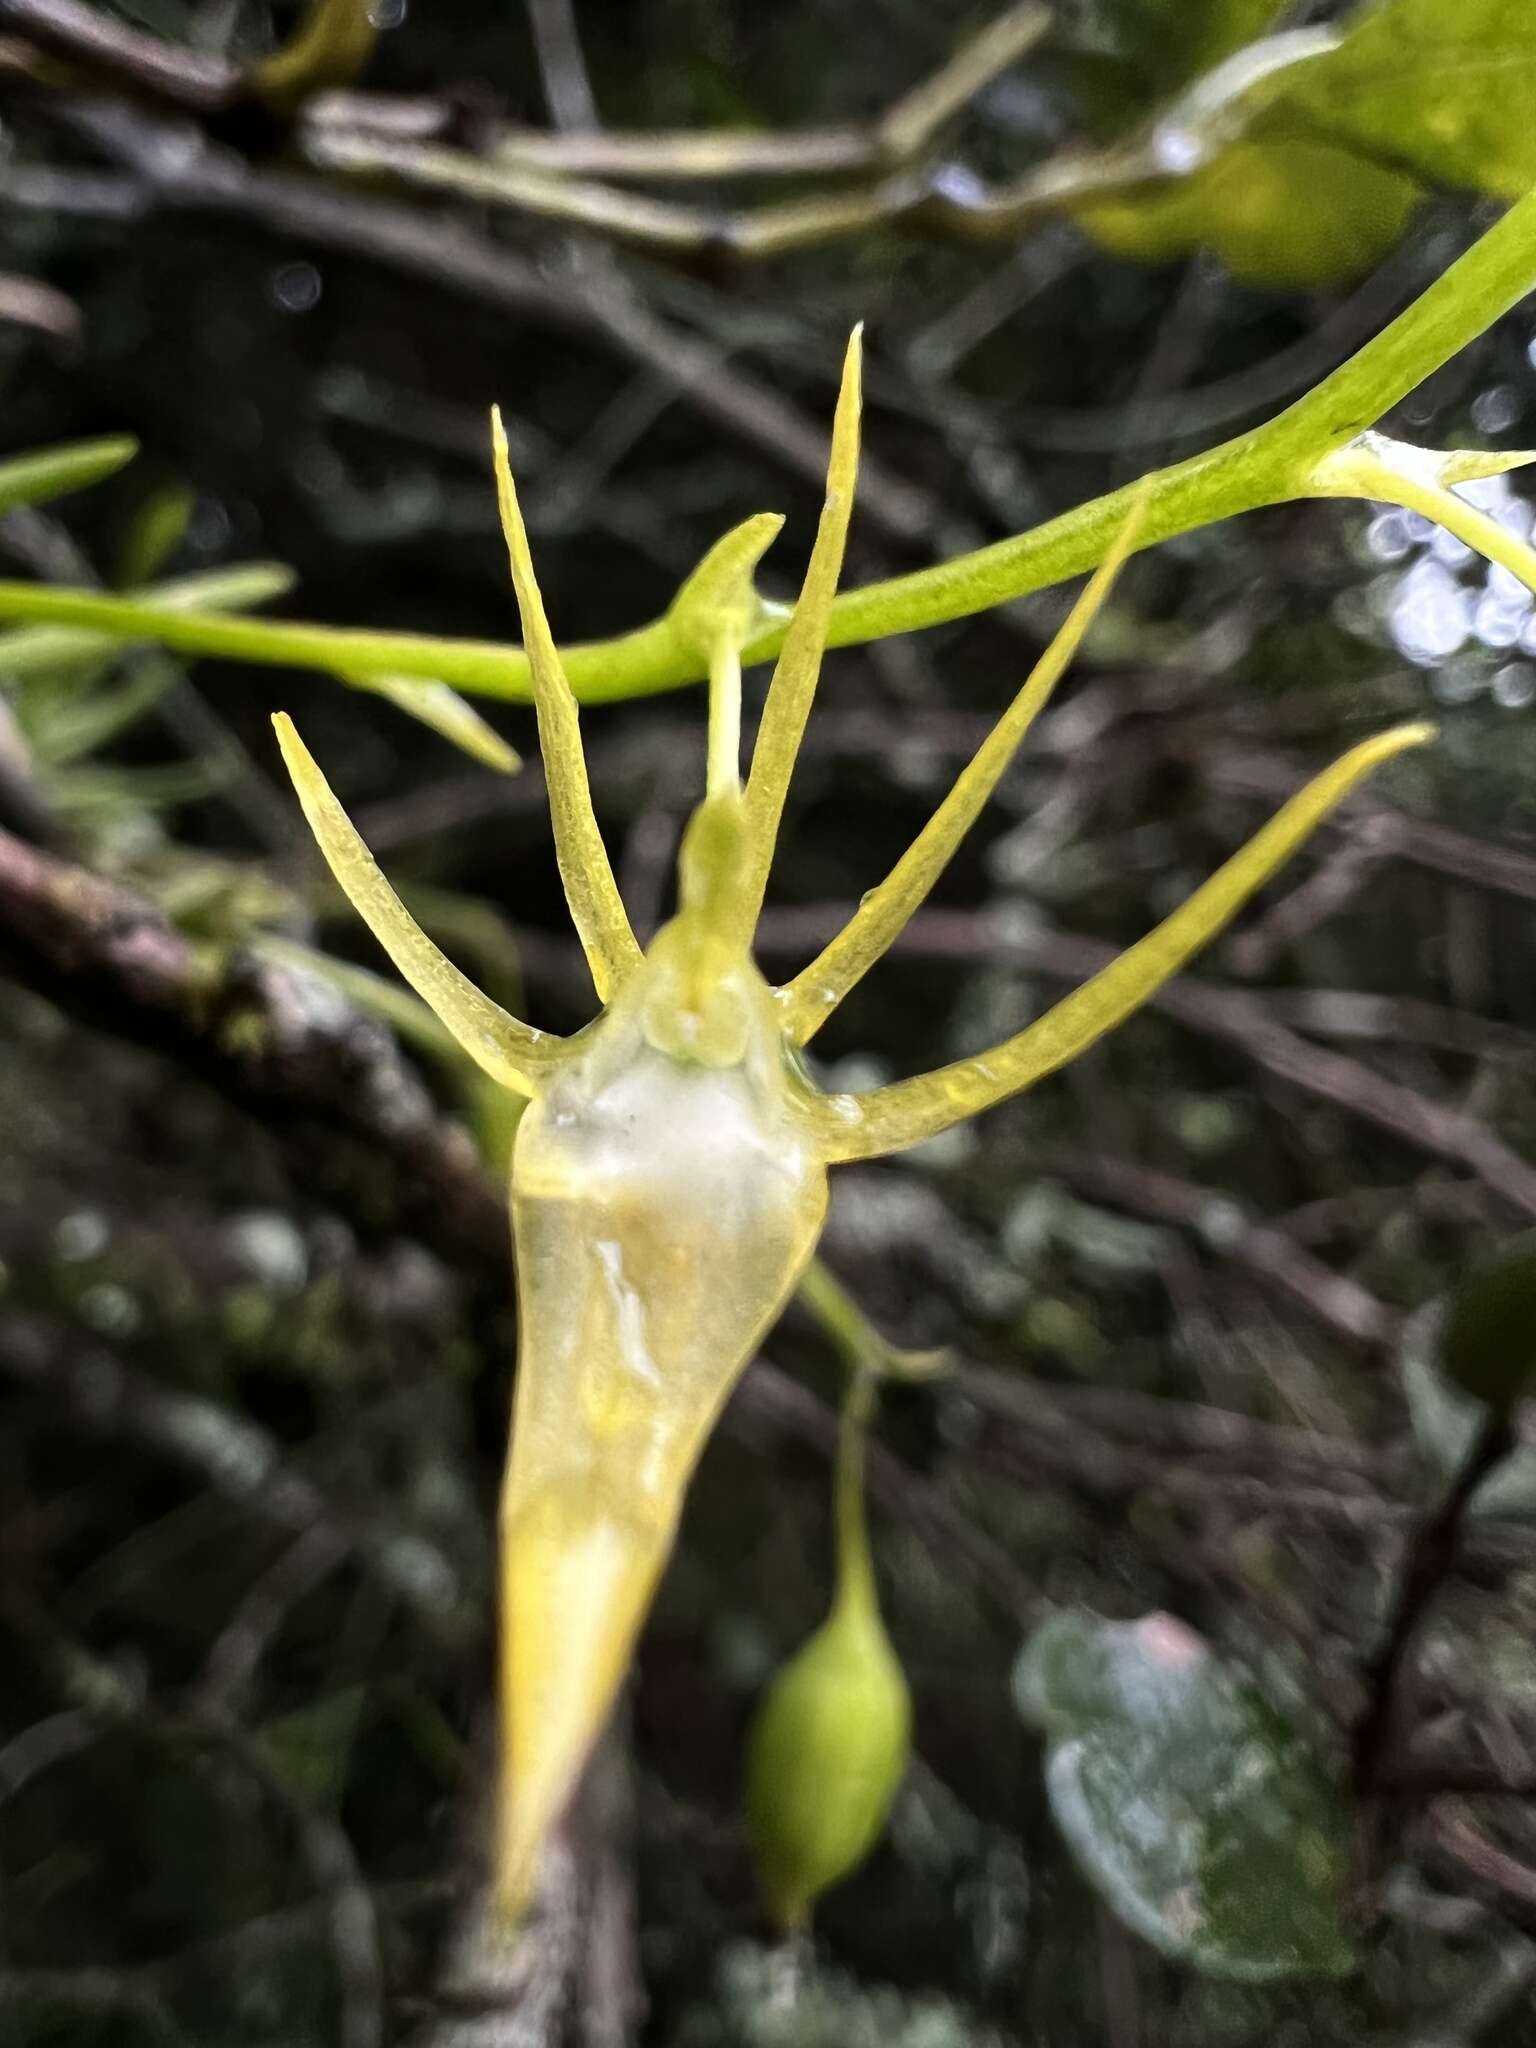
column 254, row 1390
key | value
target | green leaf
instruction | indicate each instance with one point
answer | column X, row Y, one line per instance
column 84, row 721
column 1488, row 1342
column 1440, row 86
column 153, row 534
column 1445, row 1420
column 1190, row 1802
column 446, row 712
column 50, row 472
column 1337, row 151
column 1257, row 205
column 310, row 1749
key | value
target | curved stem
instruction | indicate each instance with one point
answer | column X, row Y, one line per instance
column 855, row 1570
column 511, row 1052
column 1270, row 463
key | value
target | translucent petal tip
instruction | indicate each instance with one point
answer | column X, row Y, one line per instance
column 575, row 1589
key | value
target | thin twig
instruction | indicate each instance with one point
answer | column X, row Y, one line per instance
column 144, row 63
column 179, row 168
column 1431, row 1556
column 1216, row 1218
column 1234, row 1016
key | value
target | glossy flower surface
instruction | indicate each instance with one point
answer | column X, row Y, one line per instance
column 669, row 1178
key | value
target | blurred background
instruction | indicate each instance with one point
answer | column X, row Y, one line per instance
column 255, row 1305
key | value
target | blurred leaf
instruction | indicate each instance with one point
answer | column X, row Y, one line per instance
column 154, row 533
column 446, row 712
column 1337, row 149
column 50, row 472
column 88, row 720
column 1257, row 206
column 97, row 793
column 1445, row 1421
column 1488, row 1341
column 1443, row 88
column 1190, row 1802
column 311, row 1748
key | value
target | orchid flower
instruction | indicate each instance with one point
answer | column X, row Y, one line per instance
column 670, row 1173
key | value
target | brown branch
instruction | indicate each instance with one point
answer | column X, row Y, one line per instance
column 1387, row 832
column 1185, row 1431
column 1430, row 1559
column 561, row 177
column 279, row 1042
column 1511, row 1881
column 1270, row 1255
column 122, row 55
column 581, row 150
column 234, row 1457
column 179, row 168
column 1432, row 1778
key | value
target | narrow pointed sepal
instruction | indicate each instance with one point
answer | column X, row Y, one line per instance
column 795, row 675
column 509, row 1051
column 889, row 1119
column 597, row 910
column 883, row 913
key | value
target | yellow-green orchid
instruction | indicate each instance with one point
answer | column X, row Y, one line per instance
column 669, row 1177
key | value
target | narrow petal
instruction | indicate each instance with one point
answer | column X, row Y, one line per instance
column 510, row 1052
column 446, row 712
column 597, row 910
column 883, row 913
column 889, row 1119
column 799, row 664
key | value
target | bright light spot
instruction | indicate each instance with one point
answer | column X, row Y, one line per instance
column 1495, row 410
column 1514, row 687
column 1431, row 614
column 296, row 287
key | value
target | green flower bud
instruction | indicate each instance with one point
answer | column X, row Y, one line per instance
column 1488, row 1345
column 828, row 1752
column 830, row 1743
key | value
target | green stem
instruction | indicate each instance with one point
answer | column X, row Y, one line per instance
column 50, row 472
column 653, row 658
column 1264, row 466
column 856, row 1586
column 1361, row 472
column 857, row 1342
column 724, row 756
